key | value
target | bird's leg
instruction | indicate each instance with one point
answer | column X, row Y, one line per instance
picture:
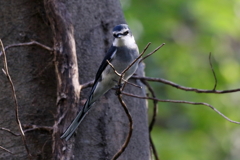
column 119, row 88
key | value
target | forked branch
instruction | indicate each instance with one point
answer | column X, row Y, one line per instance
column 175, row 85
column 6, row 72
column 5, row 149
column 186, row 102
column 121, row 75
column 28, row 44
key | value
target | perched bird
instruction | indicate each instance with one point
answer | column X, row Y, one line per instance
column 121, row 54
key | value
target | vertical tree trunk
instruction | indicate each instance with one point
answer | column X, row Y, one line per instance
column 80, row 33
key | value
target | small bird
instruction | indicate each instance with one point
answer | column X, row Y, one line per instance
column 121, row 54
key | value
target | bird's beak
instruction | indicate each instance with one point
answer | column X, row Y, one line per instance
column 117, row 35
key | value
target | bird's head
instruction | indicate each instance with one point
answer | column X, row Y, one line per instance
column 122, row 36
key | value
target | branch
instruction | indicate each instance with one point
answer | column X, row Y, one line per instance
column 130, row 127
column 36, row 127
column 116, row 72
column 5, row 149
column 185, row 88
column 9, row 131
column 155, row 107
column 214, row 75
column 124, row 71
column 28, row 44
column 15, row 99
column 155, row 50
column 186, row 102
column 87, row 84
column 153, row 148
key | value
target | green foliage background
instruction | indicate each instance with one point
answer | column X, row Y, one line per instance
column 191, row 30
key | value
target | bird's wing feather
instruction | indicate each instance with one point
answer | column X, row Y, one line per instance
column 109, row 56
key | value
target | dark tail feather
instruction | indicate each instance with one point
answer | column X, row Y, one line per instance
column 75, row 123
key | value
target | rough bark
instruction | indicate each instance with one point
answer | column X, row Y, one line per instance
column 66, row 68
column 80, row 33
column 33, row 76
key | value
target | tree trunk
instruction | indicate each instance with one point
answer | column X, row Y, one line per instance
column 48, row 84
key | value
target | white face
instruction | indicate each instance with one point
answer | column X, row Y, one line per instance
column 124, row 38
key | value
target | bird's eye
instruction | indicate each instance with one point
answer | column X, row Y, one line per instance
column 125, row 33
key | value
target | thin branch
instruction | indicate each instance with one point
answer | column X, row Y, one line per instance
column 89, row 84
column 214, row 75
column 155, row 109
column 130, row 128
column 185, row 88
column 186, row 102
column 121, row 76
column 28, row 44
column 153, row 148
column 5, row 149
column 133, row 84
column 9, row 131
column 124, row 71
column 43, row 147
column 116, row 72
column 86, row 85
column 15, row 99
column 155, row 50
column 36, row 127
column 155, row 106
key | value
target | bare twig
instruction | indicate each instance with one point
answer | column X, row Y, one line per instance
column 130, row 128
column 124, row 71
column 214, row 75
column 15, row 99
column 86, row 85
column 5, row 149
column 9, row 131
column 186, row 102
column 89, row 84
column 155, row 107
column 153, row 148
column 185, row 88
column 120, row 75
column 133, row 84
column 155, row 50
column 116, row 72
column 42, row 150
column 28, row 44
column 36, row 127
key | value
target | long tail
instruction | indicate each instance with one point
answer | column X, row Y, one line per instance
column 75, row 123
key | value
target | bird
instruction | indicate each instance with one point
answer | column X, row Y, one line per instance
column 121, row 54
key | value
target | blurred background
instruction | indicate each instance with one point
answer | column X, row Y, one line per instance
column 191, row 30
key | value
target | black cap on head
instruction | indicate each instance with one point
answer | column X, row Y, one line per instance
column 121, row 30
column 120, row 27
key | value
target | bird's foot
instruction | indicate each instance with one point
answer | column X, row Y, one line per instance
column 118, row 89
